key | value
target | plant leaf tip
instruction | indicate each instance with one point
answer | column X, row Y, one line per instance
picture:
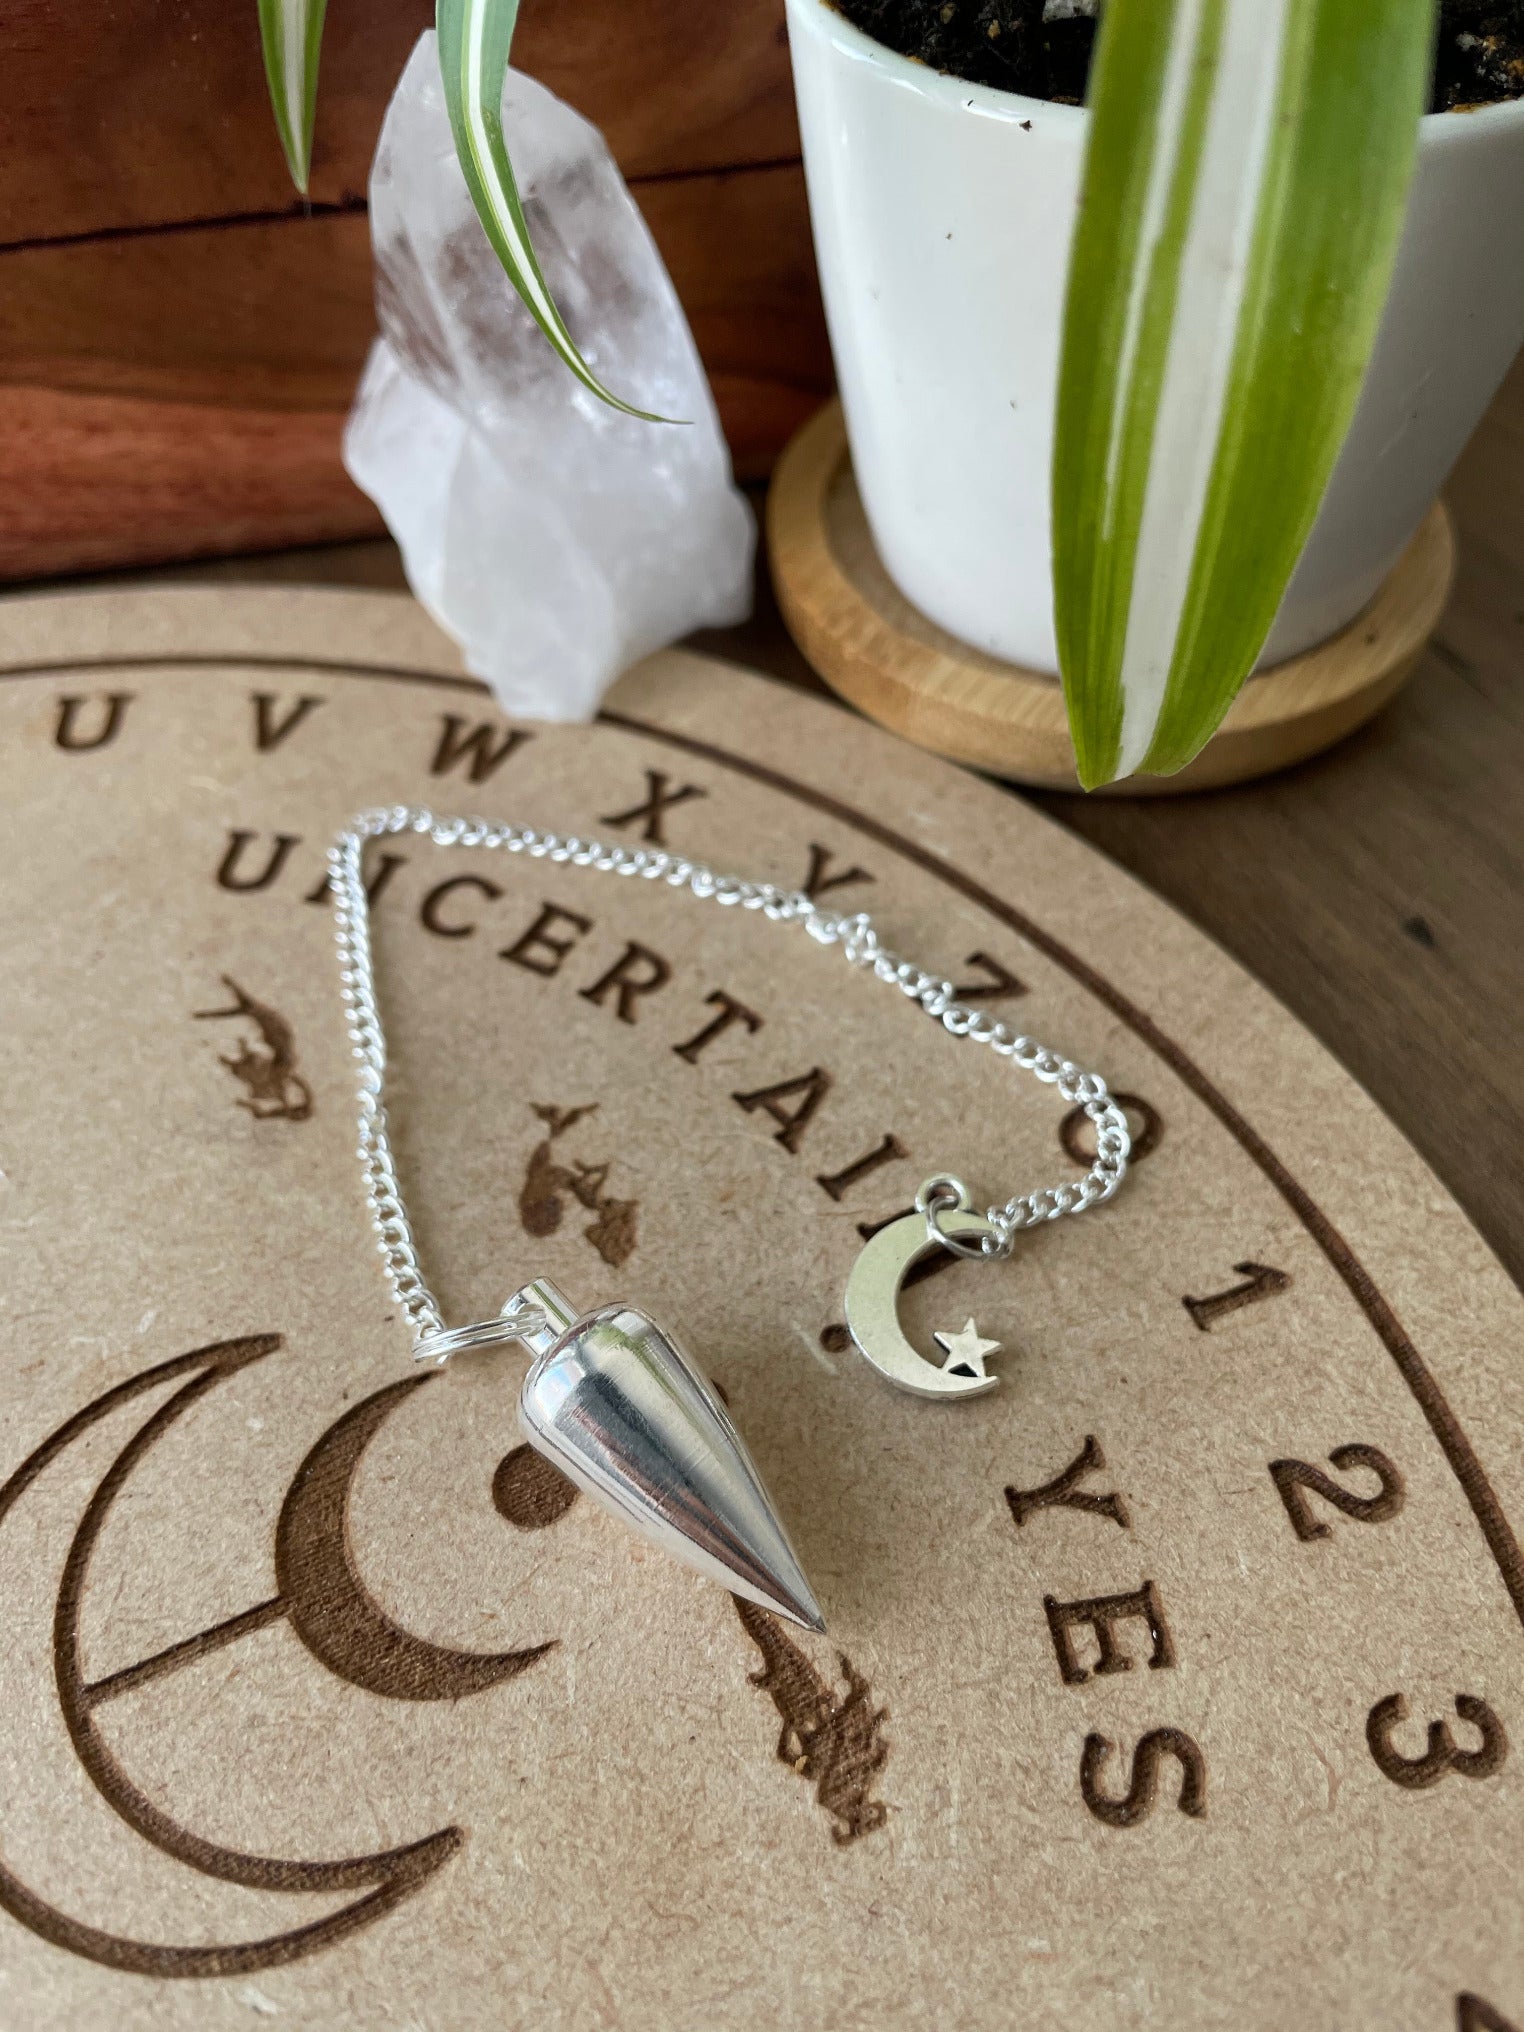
column 1223, row 300
column 475, row 41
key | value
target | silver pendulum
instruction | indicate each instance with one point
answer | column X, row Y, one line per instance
column 610, row 1398
column 615, row 1403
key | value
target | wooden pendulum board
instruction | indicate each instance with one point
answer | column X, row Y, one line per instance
column 1177, row 1682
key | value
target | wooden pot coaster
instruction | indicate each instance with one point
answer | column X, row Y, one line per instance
column 1176, row 1683
column 870, row 644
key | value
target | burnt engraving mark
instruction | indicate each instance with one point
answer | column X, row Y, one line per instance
column 1297, row 1480
column 1103, row 1613
column 731, row 1012
column 530, row 1491
column 159, row 1666
column 538, row 950
column 231, row 873
column 999, row 983
column 637, row 972
column 651, row 814
column 483, row 748
column 327, row 1602
column 431, row 910
column 613, row 1232
column 322, row 1598
column 1064, row 1492
column 1475, row 2014
column 75, row 739
column 837, row 1184
column 833, row 1740
column 1142, row 1794
column 807, row 1092
column 1076, row 1132
column 275, row 1090
column 819, row 881
column 271, row 726
column 1441, row 1756
column 1260, row 1282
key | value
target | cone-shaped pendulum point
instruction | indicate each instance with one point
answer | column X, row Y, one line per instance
column 619, row 1408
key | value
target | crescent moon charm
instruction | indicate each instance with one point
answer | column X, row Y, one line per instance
column 873, row 1294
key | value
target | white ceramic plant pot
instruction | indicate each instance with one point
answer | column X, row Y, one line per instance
column 943, row 215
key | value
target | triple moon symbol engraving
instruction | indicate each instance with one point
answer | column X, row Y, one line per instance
column 873, row 1301
column 322, row 1599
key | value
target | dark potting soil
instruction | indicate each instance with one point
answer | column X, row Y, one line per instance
column 990, row 42
column 1007, row 43
column 1481, row 54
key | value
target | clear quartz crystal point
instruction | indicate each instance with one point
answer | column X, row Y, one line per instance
column 557, row 540
column 620, row 1409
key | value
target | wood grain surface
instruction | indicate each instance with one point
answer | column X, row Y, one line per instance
column 145, row 113
column 151, row 251
column 1378, row 890
column 879, row 652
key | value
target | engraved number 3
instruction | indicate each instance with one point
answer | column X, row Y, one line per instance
column 1441, row 1757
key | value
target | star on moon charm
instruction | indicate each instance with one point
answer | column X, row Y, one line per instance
column 944, row 1218
column 966, row 1353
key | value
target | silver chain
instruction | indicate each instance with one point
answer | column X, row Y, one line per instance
column 860, row 946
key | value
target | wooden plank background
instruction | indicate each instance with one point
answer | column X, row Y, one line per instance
column 180, row 336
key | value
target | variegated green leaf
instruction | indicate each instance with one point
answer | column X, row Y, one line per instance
column 292, row 34
column 1244, row 192
column 474, row 40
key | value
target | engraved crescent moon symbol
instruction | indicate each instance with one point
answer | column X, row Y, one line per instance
column 384, row 1878
column 873, row 1300
column 326, row 1600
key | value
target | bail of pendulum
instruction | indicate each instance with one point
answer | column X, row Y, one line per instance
column 614, row 1402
